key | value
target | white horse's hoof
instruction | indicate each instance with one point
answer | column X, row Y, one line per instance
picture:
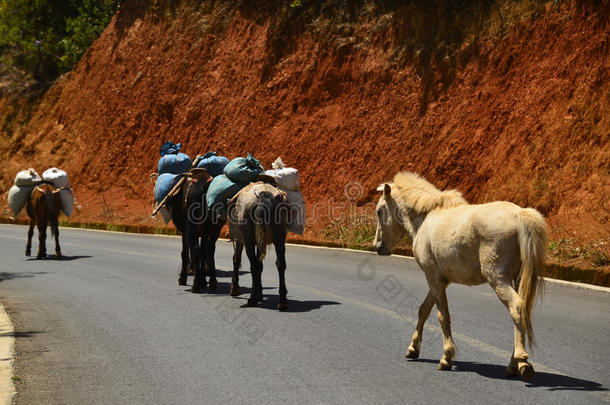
column 412, row 353
column 444, row 365
column 526, row 370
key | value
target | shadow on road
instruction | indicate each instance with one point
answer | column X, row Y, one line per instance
column 229, row 273
column 270, row 302
column 10, row 276
column 61, row 259
column 554, row 382
column 18, row 334
column 225, row 289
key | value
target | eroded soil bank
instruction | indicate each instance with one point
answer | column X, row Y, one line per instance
column 503, row 102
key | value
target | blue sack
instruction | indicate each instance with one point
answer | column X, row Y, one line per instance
column 170, row 148
column 243, row 170
column 164, row 185
column 213, row 164
column 220, row 191
column 174, row 163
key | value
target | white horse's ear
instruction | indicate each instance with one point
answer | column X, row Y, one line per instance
column 387, row 190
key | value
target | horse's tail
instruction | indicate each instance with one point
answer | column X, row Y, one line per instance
column 532, row 241
column 262, row 212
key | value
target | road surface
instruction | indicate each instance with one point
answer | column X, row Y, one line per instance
column 109, row 324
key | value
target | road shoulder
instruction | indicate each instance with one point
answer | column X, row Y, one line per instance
column 7, row 350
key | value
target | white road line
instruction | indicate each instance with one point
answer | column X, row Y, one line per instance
column 7, row 349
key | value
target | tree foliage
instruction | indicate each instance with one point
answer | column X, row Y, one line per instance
column 47, row 37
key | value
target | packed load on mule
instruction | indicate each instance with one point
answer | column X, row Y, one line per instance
column 238, row 173
column 172, row 160
column 27, row 180
column 214, row 164
column 59, row 179
column 287, row 179
column 170, row 169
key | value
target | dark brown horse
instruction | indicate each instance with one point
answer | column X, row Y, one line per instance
column 43, row 207
column 199, row 232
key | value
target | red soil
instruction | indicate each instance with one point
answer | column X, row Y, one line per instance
column 523, row 117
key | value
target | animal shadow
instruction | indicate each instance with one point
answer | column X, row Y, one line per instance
column 294, row 306
column 62, row 258
column 552, row 381
column 9, row 276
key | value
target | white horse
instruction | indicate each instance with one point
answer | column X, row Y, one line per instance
column 499, row 243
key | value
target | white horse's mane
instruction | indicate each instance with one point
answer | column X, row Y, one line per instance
column 422, row 195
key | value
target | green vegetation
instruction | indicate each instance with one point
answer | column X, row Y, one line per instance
column 47, row 37
column 568, row 248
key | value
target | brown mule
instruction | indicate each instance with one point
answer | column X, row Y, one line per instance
column 43, row 207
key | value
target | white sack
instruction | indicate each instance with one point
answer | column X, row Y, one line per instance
column 17, row 197
column 57, row 177
column 286, row 177
column 298, row 213
column 66, row 199
column 27, row 178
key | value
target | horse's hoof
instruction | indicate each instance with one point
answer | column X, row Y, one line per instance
column 197, row 289
column 282, row 306
column 412, row 353
column 512, row 370
column 526, row 370
column 58, row 255
column 252, row 302
column 235, row 291
column 212, row 285
column 444, row 365
column 182, row 281
column 28, row 253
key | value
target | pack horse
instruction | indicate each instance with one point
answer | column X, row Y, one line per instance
column 498, row 243
column 43, row 198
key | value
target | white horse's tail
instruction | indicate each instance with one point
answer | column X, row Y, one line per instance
column 532, row 244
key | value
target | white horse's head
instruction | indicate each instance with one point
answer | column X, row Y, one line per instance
column 390, row 228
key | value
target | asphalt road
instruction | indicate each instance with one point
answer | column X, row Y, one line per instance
column 109, row 324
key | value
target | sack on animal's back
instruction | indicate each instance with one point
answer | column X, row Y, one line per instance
column 66, row 199
column 298, row 212
column 27, row 178
column 17, row 197
column 166, row 214
column 286, row 177
column 243, row 169
column 58, row 178
column 214, row 164
column 220, row 191
column 172, row 161
column 165, row 183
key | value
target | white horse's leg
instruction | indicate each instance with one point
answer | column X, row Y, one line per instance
column 423, row 313
column 443, row 317
column 518, row 362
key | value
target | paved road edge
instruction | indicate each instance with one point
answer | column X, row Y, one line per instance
column 7, row 351
column 565, row 283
